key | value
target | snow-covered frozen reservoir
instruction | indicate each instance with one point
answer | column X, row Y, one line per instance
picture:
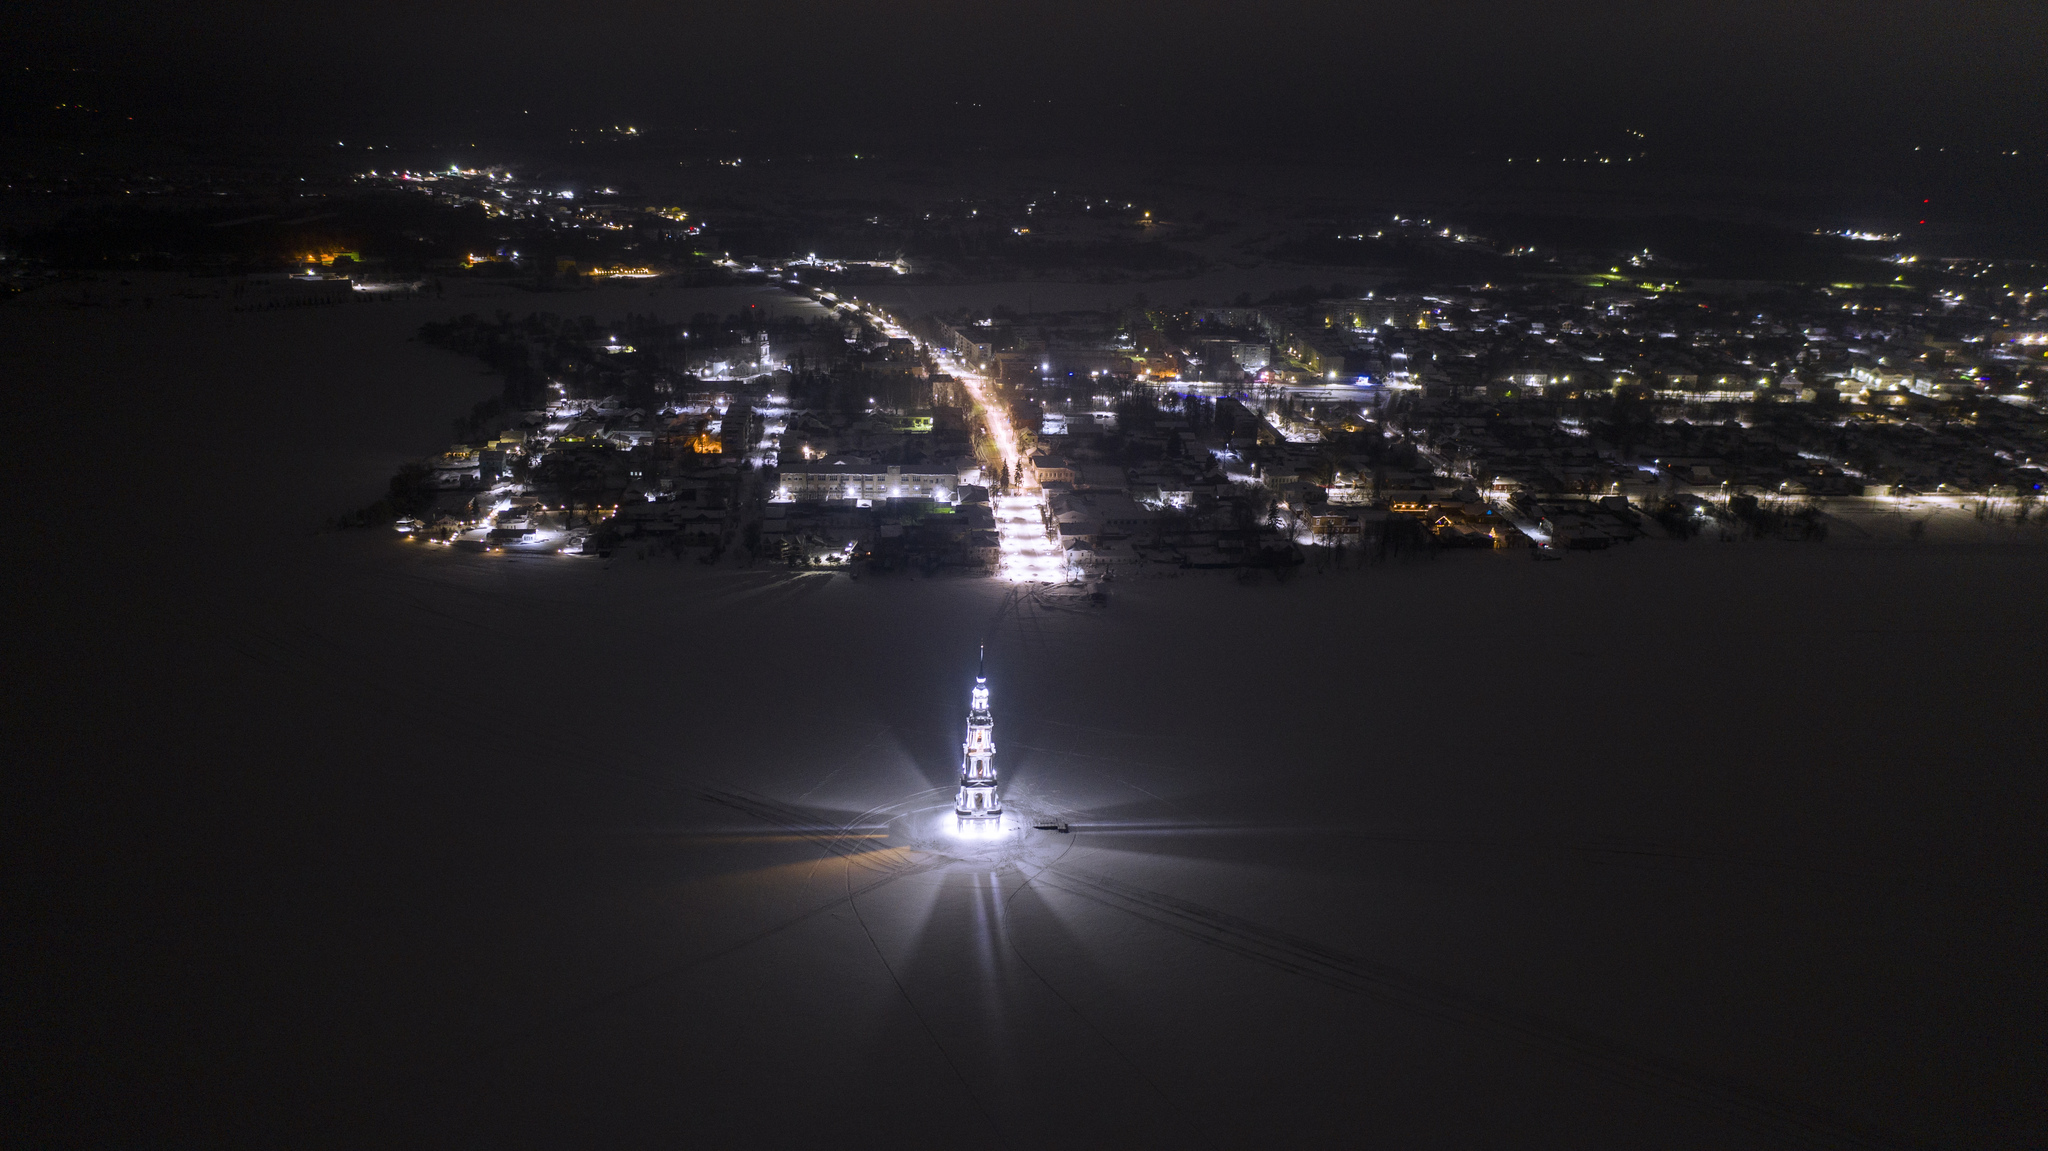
column 329, row 840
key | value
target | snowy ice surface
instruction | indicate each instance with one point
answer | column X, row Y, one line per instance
column 334, row 840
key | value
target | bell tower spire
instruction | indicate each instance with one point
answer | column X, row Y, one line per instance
column 978, row 797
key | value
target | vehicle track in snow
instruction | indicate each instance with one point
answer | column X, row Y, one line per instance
column 1798, row 1124
column 832, row 838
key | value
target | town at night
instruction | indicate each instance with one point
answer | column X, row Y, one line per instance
column 1119, row 577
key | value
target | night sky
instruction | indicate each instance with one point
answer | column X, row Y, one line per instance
column 1748, row 77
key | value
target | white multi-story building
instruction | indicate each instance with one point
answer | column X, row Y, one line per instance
column 844, row 478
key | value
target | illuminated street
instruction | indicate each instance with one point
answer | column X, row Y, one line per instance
column 1031, row 549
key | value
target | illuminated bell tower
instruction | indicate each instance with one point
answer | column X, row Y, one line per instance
column 978, row 796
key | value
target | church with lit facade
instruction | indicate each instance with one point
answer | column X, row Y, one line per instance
column 978, row 798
